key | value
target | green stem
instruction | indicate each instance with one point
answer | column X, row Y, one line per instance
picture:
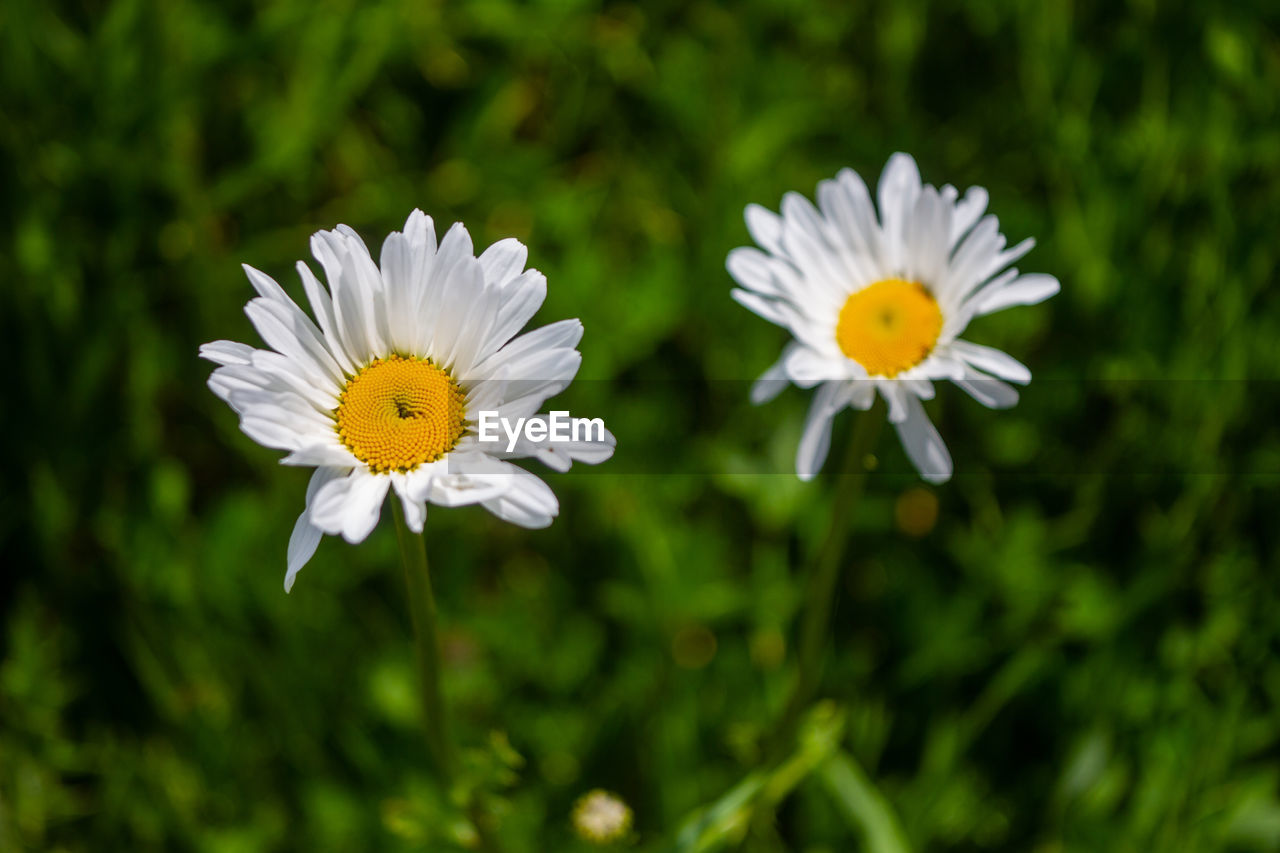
column 422, row 609
column 819, row 599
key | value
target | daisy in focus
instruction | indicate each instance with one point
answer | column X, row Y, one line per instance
column 877, row 304
column 382, row 391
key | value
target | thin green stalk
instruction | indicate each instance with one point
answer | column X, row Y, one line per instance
column 426, row 640
column 816, row 618
column 422, row 609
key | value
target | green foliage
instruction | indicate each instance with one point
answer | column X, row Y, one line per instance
column 1078, row 656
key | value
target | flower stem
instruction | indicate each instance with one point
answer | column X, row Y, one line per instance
column 422, row 609
column 816, row 618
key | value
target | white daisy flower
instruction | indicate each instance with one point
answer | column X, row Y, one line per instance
column 601, row 817
column 383, row 390
column 879, row 304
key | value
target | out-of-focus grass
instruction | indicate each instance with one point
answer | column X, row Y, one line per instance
column 1079, row 654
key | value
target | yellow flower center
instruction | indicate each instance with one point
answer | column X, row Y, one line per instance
column 889, row 326
column 398, row 412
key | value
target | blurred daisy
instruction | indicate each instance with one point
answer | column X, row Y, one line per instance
column 383, row 390
column 601, row 817
column 878, row 304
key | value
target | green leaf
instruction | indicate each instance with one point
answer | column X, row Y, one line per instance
column 863, row 805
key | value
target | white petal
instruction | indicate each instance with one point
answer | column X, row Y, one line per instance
column 417, row 483
column 486, row 395
column 824, row 278
column 306, row 536
column 456, row 245
column 475, row 335
column 238, row 377
column 941, row 364
column 807, row 368
column 354, row 240
column 364, row 506
column 973, row 255
column 332, row 454
column 472, row 478
column 415, row 511
column 266, row 285
column 916, row 386
column 289, row 332
column 534, row 370
column 420, row 231
column 765, row 228
column 556, row 370
column 303, row 542
column 467, row 304
column 991, row 393
column 984, row 267
column 329, row 507
column 774, row 310
column 359, row 269
column 521, row 298
column 349, row 300
column 322, row 395
column 922, row 443
column 895, row 398
column 322, row 307
column 285, row 407
column 397, row 265
column 753, row 269
column 350, row 506
column 560, row 335
column 870, row 236
column 285, row 327
column 781, row 312
column 1025, row 290
column 957, row 316
column 815, row 442
column 862, row 395
column 434, row 309
column 897, row 192
column 221, row 385
column 272, row 433
column 799, row 212
column 927, row 237
column 847, row 208
column 993, row 361
column 527, row 501
column 967, row 212
column 774, row 380
column 503, row 261
column 226, row 352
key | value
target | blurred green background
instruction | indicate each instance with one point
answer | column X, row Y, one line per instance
column 1072, row 646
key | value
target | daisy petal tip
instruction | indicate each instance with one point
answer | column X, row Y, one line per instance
column 754, row 212
column 901, row 169
column 765, row 390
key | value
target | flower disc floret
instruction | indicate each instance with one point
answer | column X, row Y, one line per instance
column 400, row 412
column 890, row 326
